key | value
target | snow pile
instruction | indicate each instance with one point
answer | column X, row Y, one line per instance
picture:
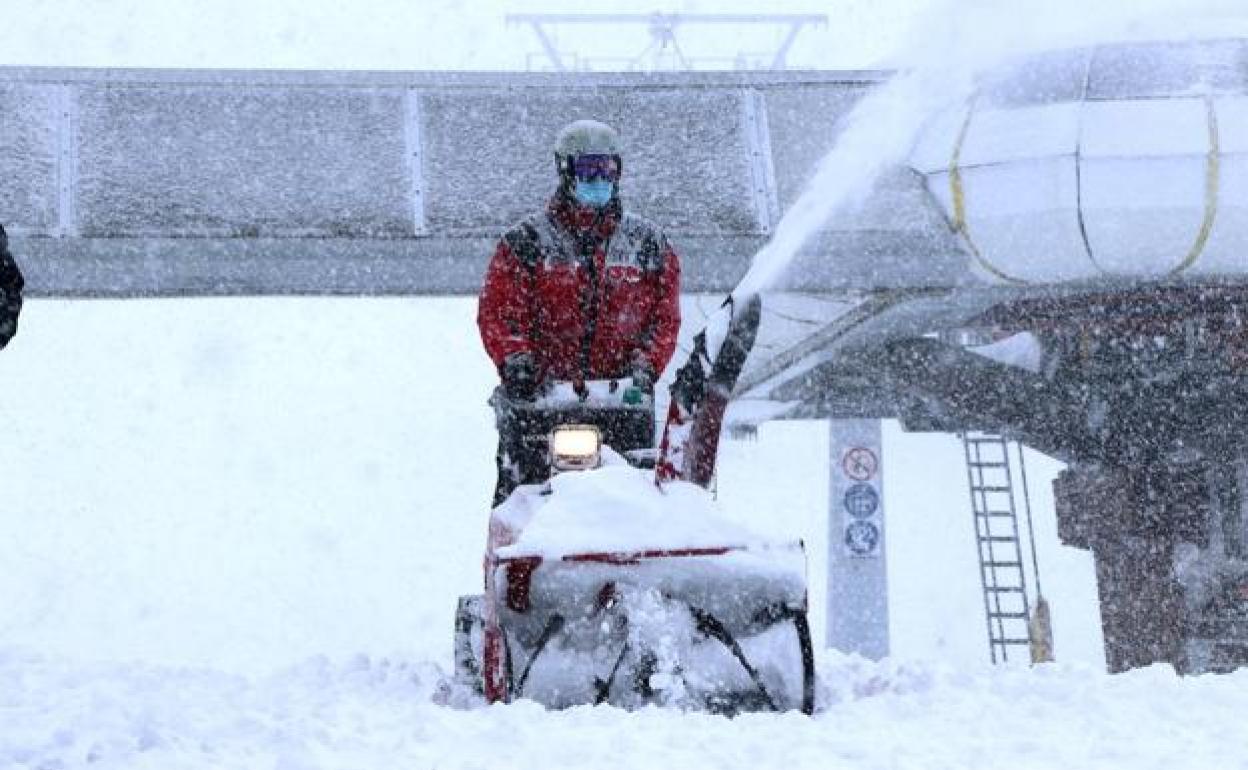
column 616, row 509
column 374, row 713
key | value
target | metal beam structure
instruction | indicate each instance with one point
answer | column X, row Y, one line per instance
column 662, row 28
column 172, row 183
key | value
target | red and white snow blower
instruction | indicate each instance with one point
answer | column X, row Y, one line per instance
column 610, row 576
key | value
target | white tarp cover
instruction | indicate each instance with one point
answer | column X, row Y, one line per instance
column 1140, row 172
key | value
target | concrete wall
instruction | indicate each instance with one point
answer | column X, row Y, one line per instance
column 120, row 183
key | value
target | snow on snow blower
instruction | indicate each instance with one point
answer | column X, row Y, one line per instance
column 604, row 586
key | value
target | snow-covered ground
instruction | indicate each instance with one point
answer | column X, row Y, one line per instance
column 367, row 713
column 234, row 530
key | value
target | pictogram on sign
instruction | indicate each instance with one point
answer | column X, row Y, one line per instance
column 862, row 538
column 862, row 501
column 860, row 464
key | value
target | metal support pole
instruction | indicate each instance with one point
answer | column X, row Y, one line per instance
column 548, row 46
column 857, row 603
column 781, row 60
column 66, row 120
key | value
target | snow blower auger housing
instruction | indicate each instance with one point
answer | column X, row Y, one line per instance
column 601, row 586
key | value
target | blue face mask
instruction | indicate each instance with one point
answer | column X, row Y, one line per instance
column 596, row 193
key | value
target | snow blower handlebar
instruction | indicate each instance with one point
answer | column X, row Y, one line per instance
column 623, row 416
column 591, row 394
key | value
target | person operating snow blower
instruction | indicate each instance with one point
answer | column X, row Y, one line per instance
column 599, row 585
column 581, row 291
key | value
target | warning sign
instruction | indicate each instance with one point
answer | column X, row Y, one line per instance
column 860, row 464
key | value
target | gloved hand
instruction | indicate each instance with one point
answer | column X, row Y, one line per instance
column 520, row 376
column 644, row 376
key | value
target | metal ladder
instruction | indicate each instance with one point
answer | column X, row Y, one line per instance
column 996, row 536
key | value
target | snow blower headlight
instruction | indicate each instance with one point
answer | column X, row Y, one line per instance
column 575, row 447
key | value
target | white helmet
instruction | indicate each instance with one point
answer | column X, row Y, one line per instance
column 585, row 137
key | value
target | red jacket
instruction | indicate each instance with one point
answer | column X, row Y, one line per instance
column 540, row 294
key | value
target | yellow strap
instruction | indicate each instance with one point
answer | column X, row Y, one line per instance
column 958, row 192
column 1213, row 172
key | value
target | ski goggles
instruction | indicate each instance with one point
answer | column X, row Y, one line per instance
column 591, row 167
